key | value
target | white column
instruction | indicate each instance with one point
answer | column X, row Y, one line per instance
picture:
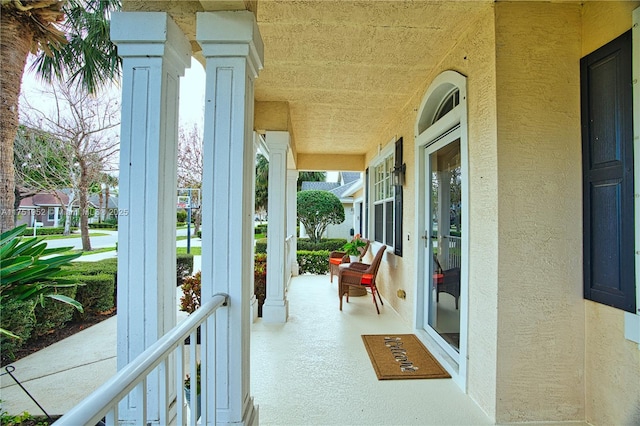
column 276, row 307
column 56, row 216
column 233, row 49
column 292, row 217
column 155, row 53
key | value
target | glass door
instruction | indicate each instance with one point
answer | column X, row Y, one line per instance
column 445, row 243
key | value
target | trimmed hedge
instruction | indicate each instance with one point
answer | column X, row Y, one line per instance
column 313, row 262
column 52, row 314
column 261, row 229
column 261, row 245
column 103, row 225
column 96, row 295
column 329, row 244
column 18, row 317
column 59, row 230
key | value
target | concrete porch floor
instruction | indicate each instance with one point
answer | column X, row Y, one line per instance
column 314, row 370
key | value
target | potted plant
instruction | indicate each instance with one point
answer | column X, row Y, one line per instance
column 352, row 248
column 187, row 390
column 191, row 297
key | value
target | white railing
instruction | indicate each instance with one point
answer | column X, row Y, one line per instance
column 104, row 401
column 455, row 252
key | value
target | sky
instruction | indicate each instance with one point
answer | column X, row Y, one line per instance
column 192, row 93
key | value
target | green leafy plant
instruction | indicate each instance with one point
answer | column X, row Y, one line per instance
column 30, row 270
column 351, row 248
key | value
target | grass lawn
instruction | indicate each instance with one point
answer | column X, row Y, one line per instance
column 60, row 237
column 196, row 251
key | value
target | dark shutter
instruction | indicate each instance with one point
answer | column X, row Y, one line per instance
column 397, row 244
column 607, row 164
column 365, row 219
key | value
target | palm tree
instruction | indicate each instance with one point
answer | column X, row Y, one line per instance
column 77, row 48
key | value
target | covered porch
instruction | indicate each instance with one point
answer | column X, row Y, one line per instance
column 315, row 370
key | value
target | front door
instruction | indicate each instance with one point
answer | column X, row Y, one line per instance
column 444, row 239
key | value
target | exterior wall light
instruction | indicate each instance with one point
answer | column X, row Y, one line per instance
column 398, row 175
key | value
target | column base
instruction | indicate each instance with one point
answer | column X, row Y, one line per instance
column 275, row 313
column 295, row 270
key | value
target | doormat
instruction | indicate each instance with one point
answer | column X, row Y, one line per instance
column 401, row 356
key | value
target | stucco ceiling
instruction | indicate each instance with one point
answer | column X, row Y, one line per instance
column 345, row 68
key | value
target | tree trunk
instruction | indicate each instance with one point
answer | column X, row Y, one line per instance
column 68, row 209
column 84, row 210
column 106, row 202
column 100, row 211
column 15, row 41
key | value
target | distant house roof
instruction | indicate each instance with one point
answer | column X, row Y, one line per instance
column 44, row 199
column 349, row 183
column 113, row 201
column 319, row 186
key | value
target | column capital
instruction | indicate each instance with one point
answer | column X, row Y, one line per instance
column 150, row 34
column 293, row 174
column 231, row 34
column 277, row 141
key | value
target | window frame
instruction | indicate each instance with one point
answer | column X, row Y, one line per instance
column 51, row 214
column 382, row 194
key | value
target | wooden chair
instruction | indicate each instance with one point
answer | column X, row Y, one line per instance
column 336, row 258
column 361, row 275
column 447, row 281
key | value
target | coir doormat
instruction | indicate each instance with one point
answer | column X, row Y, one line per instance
column 401, row 356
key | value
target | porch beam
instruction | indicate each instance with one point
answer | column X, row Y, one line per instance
column 233, row 52
column 337, row 162
column 276, row 308
column 155, row 54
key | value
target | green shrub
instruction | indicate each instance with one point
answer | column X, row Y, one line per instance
column 260, row 280
column 103, row 225
column 261, row 228
column 106, row 266
column 313, row 262
column 18, row 317
column 261, row 245
column 52, row 314
column 199, row 234
column 180, row 224
column 184, row 267
column 181, row 216
column 59, row 230
column 329, row 244
column 97, row 293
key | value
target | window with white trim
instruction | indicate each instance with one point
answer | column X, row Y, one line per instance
column 383, row 201
column 51, row 214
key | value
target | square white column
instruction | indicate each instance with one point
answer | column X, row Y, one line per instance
column 155, row 54
column 292, row 217
column 233, row 50
column 276, row 307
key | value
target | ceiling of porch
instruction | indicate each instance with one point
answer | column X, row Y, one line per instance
column 345, row 68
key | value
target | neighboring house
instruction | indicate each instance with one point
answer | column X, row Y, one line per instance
column 43, row 207
column 49, row 209
column 348, row 184
column 515, row 124
column 109, row 211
